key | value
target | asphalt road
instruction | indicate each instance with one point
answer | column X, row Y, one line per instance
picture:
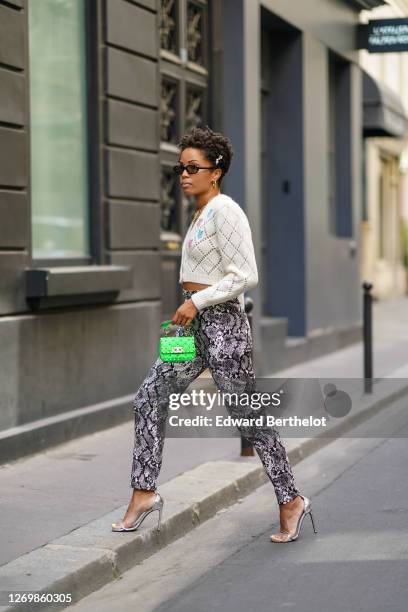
column 357, row 561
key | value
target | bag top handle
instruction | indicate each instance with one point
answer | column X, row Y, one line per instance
column 166, row 324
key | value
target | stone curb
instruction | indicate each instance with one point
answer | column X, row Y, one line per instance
column 92, row 555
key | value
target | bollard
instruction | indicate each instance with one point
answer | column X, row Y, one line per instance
column 368, row 337
column 247, row 450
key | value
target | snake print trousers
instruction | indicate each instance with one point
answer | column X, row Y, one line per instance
column 224, row 345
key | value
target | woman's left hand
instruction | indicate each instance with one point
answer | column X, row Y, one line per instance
column 185, row 313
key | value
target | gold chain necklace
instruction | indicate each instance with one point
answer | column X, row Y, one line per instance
column 197, row 214
column 199, row 211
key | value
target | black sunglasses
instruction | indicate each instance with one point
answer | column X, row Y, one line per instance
column 191, row 168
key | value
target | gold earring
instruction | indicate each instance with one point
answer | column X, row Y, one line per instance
column 214, row 183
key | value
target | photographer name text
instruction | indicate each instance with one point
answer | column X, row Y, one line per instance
column 261, row 421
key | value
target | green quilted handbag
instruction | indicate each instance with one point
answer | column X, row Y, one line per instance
column 178, row 347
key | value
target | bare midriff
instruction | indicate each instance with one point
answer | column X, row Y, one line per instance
column 193, row 286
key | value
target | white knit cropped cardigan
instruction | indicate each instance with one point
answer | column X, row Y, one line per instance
column 218, row 251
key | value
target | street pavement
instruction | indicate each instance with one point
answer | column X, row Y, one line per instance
column 57, row 491
column 356, row 562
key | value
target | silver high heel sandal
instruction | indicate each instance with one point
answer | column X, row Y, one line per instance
column 294, row 536
column 158, row 503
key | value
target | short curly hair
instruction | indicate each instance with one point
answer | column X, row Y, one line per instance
column 217, row 148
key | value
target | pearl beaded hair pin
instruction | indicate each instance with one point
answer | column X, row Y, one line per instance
column 218, row 159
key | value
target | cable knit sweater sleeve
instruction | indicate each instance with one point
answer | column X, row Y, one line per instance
column 236, row 249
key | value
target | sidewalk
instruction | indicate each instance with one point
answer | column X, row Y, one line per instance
column 65, row 499
column 390, row 349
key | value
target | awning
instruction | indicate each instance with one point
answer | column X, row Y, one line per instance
column 366, row 4
column 383, row 112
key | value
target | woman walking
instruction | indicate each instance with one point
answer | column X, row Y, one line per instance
column 217, row 266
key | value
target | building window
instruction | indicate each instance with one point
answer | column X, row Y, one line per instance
column 339, row 147
column 184, row 84
column 58, row 126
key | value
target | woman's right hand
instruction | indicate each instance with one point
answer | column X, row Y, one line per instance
column 185, row 313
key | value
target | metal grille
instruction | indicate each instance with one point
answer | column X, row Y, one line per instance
column 196, row 32
column 168, row 111
column 168, row 200
column 195, row 107
column 168, row 25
